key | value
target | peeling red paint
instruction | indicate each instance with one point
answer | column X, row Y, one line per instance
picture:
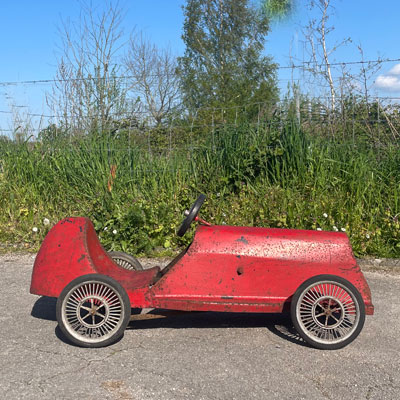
column 243, row 240
column 259, row 272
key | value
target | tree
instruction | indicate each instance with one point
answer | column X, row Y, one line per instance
column 153, row 77
column 316, row 36
column 278, row 9
column 223, row 66
column 87, row 94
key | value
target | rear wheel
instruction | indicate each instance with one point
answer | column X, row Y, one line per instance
column 328, row 312
column 125, row 260
column 93, row 311
column 128, row 262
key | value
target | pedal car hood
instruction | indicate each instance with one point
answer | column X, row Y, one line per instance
column 283, row 244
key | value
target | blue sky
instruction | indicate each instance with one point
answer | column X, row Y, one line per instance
column 28, row 45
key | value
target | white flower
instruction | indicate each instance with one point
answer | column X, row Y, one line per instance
column 105, row 228
column 335, row 228
column 319, row 229
column 367, row 236
column 34, row 229
column 46, row 221
column 114, row 231
column 343, row 229
column 325, row 215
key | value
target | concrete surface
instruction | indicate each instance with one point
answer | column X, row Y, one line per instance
column 193, row 356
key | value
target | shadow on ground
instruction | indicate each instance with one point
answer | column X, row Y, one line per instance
column 45, row 308
column 279, row 324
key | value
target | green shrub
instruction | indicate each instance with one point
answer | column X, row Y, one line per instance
column 271, row 175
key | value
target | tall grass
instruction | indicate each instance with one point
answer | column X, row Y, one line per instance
column 279, row 177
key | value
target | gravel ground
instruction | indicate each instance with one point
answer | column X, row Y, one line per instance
column 194, row 356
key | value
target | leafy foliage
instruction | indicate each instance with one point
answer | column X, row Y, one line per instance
column 273, row 175
column 278, row 9
column 223, row 66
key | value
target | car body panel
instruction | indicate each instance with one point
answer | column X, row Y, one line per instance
column 72, row 249
column 254, row 269
column 231, row 269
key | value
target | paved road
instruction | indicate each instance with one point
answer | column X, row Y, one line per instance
column 196, row 356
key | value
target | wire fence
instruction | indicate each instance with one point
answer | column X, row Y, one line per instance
column 301, row 66
column 349, row 114
column 377, row 121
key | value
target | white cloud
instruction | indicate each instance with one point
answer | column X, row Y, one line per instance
column 395, row 70
column 389, row 81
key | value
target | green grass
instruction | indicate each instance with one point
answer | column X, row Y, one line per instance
column 272, row 176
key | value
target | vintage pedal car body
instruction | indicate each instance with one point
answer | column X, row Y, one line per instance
column 312, row 274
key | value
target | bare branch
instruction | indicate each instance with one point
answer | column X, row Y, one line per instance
column 88, row 91
column 154, row 77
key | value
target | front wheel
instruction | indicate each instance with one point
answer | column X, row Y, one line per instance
column 93, row 311
column 328, row 312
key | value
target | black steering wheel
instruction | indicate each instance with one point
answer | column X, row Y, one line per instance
column 191, row 215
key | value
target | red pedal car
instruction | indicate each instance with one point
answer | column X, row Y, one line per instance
column 226, row 268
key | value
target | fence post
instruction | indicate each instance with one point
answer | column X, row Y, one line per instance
column 148, row 141
column 213, row 129
column 130, row 146
column 379, row 120
column 298, row 107
column 353, row 118
column 342, row 112
column 191, row 127
column 170, row 136
column 236, row 115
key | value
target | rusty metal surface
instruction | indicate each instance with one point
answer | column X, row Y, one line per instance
column 157, row 314
column 72, row 249
column 242, row 269
column 230, row 269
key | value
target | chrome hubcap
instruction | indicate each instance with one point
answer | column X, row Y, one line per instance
column 327, row 312
column 92, row 311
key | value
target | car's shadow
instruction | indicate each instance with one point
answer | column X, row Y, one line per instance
column 278, row 324
column 45, row 308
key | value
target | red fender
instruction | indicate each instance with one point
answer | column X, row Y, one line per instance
column 72, row 249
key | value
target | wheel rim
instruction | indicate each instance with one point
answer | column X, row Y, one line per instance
column 328, row 312
column 92, row 312
column 123, row 263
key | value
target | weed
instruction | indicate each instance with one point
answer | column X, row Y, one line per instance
column 270, row 176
